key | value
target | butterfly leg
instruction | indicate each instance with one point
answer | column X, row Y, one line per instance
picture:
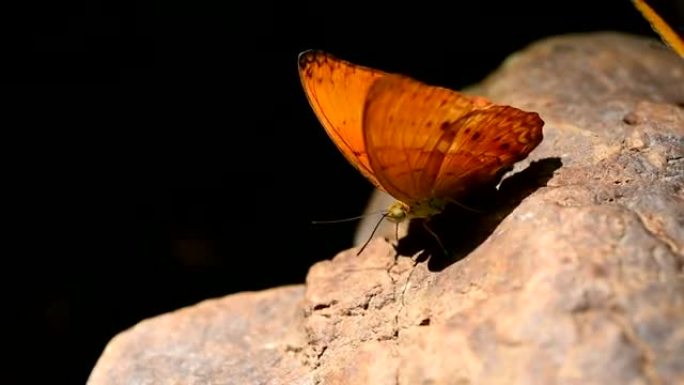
column 463, row 206
column 371, row 236
column 439, row 241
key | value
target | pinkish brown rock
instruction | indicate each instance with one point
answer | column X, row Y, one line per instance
column 574, row 276
column 246, row 338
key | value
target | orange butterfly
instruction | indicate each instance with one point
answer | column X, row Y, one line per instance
column 426, row 146
column 669, row 35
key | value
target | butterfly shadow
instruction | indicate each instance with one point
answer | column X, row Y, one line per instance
column 461, row 230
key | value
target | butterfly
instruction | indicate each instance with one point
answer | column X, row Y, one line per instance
column 424, row 145
column 668, row 34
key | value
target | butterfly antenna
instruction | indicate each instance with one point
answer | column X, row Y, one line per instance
column 377, row 225
column 346, row 219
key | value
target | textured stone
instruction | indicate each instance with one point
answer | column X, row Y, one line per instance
column 572, row 274
column 246, row 338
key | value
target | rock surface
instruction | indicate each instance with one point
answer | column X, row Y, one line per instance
column 245, row 338
column 574, row 276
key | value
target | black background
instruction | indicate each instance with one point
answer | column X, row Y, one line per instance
column 158, row 154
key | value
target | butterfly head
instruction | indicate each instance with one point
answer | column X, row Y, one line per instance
column 400, row 211
column 397, row 212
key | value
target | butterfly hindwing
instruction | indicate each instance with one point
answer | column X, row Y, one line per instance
column 405, row 125
column 486, row 141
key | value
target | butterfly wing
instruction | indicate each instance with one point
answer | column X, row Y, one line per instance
column 336, row 90
column 669, row 35
column 430, row 142
column 407, row 129
column 485, row 142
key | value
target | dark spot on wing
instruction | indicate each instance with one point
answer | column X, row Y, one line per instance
column 429, row 123
column 311, row 57
column 504, row 146
column 467, row 130
column 305, row 59
column 390, row 118
column 445, row 125
column 476, row 136
column 443, row 103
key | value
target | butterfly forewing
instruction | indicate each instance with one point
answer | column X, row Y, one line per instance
column 336, row 90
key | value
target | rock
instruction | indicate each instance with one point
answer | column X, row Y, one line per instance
column 574, row 275
column 245, row 338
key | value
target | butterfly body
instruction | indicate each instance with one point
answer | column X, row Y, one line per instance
column 400, row 211
column 426, row 146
